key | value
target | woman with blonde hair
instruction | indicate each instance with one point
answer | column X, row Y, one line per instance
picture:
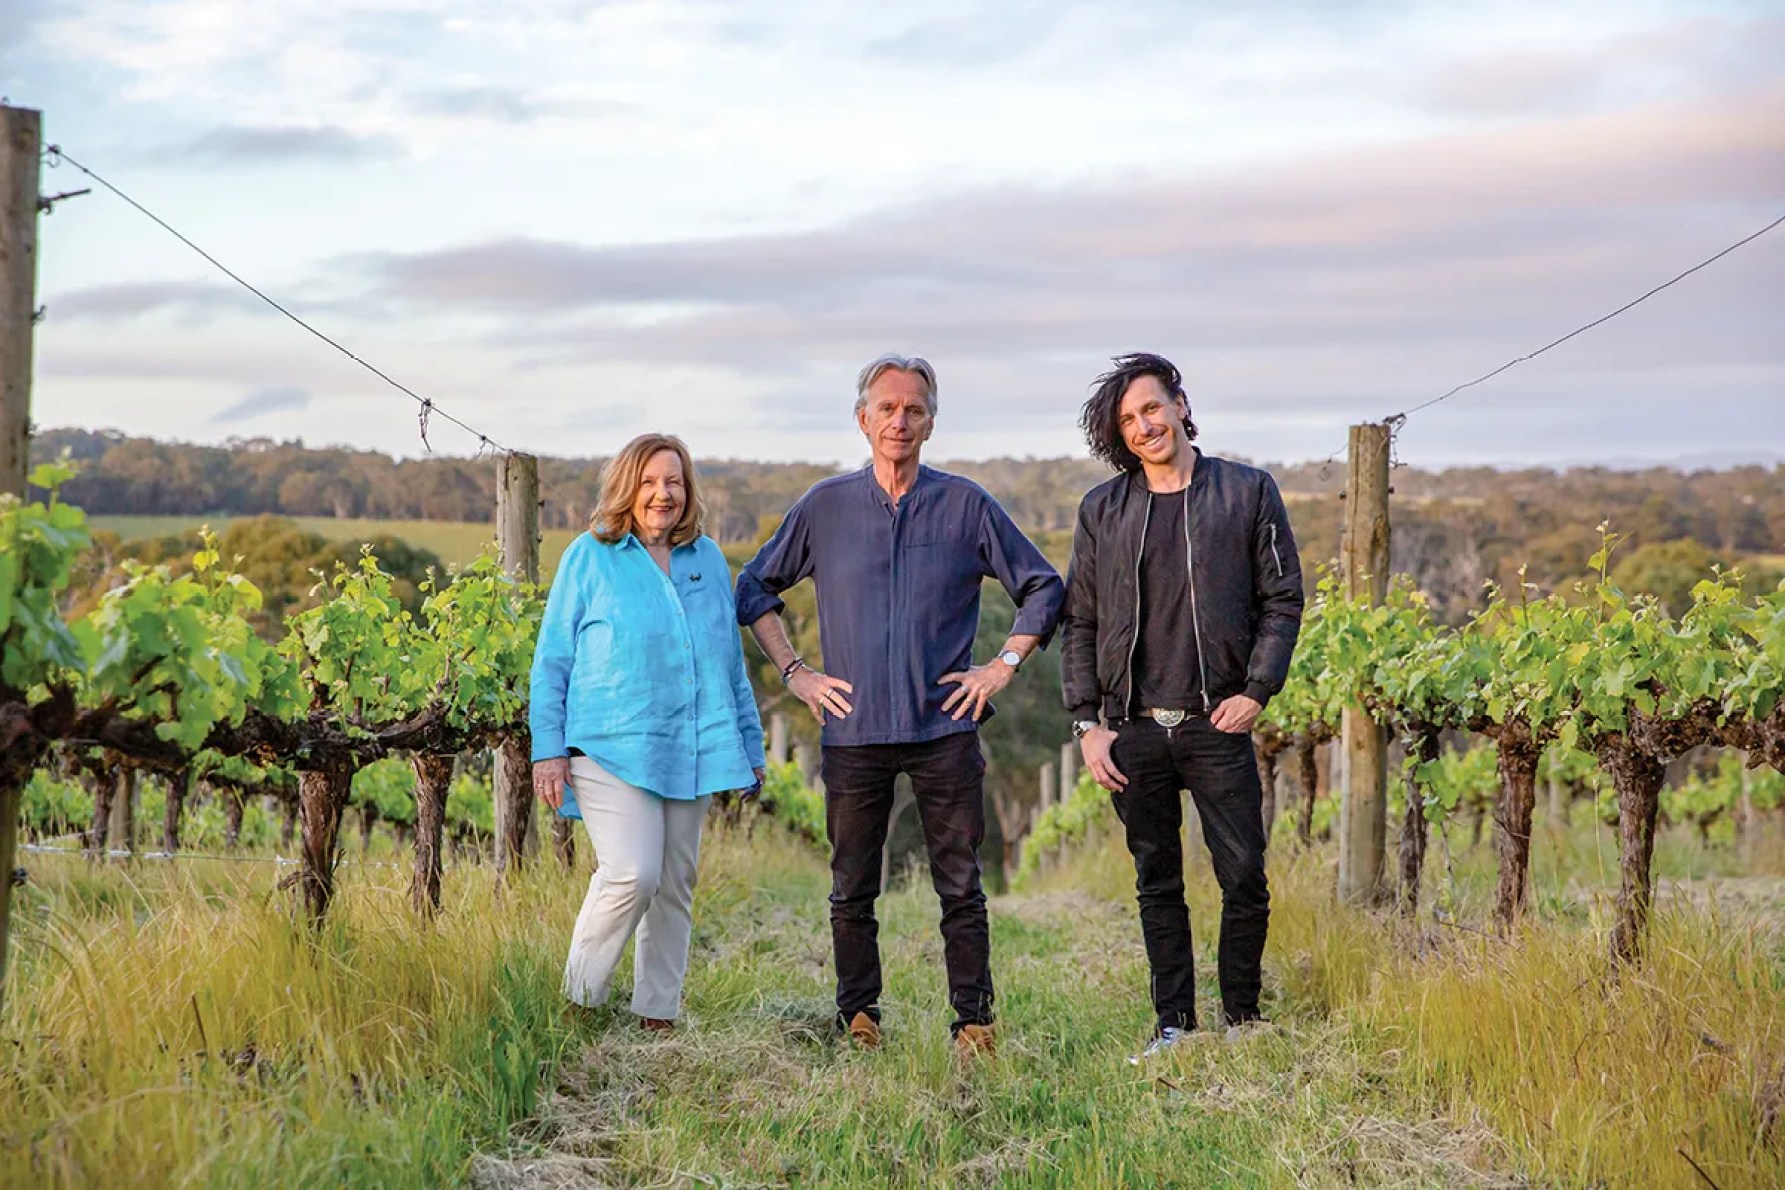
column 642, row 707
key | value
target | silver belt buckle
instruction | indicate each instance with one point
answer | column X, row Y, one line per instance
column 1167, row 718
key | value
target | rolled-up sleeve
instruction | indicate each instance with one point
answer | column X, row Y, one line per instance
column 1031, row 581
column 784, row 560
column 554, row 654
column 744, row 695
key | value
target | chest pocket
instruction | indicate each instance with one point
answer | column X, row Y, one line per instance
column 712, row 617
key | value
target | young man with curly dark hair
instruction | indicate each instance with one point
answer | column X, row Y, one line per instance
column 1183, row 603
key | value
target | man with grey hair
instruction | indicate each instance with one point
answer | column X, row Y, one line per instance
column 897, row 552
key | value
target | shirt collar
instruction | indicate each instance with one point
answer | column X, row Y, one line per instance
column 631, row 541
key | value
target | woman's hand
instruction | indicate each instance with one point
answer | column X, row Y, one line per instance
column 549, row 779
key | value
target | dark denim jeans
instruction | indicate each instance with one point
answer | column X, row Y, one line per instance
column 948, row 780
column 1221, row 772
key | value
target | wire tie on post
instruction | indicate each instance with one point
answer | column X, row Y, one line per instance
column 427, row 407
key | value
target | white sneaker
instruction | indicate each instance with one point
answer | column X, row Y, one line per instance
column 1167, row 1038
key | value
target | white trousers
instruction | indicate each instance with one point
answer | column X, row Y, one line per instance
column 646, row 850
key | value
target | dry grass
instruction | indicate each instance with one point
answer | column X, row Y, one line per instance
column 172, row 1025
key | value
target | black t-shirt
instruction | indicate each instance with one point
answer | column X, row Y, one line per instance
column 1166, row 673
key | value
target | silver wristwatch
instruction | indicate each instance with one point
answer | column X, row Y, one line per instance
column 1011, row 658
column 1082, row 727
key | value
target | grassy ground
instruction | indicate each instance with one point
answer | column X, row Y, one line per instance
column 169, row 1025
column 454, row 541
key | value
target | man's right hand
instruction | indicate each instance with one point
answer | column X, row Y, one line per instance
column 1095, row 746
column 549, row 779
column 821, row 692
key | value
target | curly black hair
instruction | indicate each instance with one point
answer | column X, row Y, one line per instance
column 1100, row 419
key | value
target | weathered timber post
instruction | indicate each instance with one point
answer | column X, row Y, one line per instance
column 805, row 758
column 780, row 740
column 21, row 143
column 517, row 544
column 1069, row 761
column 21, row 140
column 1363, row 569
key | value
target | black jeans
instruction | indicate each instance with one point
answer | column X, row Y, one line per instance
column 948, row 779
column 1221, row 772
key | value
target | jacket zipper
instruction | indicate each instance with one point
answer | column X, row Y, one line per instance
column 1274, row 555
column 1202, row 665
column 1134, row 639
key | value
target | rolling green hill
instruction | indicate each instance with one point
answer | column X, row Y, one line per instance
column 457, row 542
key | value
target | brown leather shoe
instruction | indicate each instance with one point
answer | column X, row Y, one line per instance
column 975, row 1041
column 652, row 1024
column 864, row 1030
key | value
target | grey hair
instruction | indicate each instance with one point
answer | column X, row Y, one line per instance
column 896, row 363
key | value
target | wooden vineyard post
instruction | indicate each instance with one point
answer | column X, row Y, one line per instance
column 517, row 544
column 1363, row 569
column 21, row 140
column 780, row 747
column 1069, row 763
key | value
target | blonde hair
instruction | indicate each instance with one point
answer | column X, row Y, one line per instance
column 620, row 480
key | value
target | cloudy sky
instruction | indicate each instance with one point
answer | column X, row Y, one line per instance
column 571, row 222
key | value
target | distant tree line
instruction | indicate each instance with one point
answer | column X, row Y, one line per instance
column 1455, row 530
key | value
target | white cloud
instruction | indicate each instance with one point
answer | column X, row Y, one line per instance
column 1359, row 199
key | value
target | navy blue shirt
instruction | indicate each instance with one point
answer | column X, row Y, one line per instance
column 898, row 593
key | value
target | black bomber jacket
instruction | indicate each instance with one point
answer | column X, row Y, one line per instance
column 1244, row 586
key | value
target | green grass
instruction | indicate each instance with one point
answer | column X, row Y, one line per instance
column 456, row 542
column 170, row 1024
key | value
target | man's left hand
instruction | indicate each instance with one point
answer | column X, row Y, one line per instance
column 1236, row 715
column 977, row 686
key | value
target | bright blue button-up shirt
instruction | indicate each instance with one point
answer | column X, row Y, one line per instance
column 643, row 672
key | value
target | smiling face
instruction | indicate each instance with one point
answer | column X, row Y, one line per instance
column 662, row 495
column 896, row 418
column 1152, row 422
